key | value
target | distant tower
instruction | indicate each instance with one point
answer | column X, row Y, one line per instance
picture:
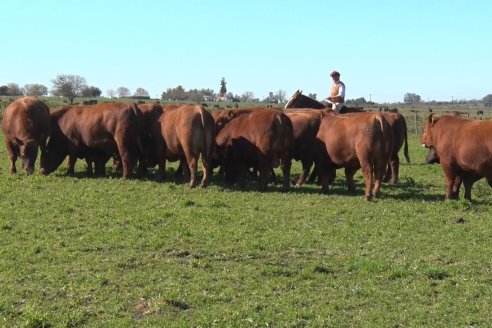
column 223, row 88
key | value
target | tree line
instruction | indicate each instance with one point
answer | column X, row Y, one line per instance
column 72, row 86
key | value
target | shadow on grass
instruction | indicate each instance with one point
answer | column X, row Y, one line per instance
column 405, row 189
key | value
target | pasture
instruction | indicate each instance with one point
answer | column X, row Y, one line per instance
column 104, row 252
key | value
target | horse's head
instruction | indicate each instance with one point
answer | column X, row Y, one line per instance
column 298, row 100
column 294, row 99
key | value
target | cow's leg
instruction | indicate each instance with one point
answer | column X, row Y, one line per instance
column 306, row 167
column 324, row 177
column 191, row 161
column 142, row 168
column 72, row 159
column 126, row 162
column 100, row 165
column 451, row 180
column 207, row 169
column 13, row 151
column 265, row 172
column 379, row 171
column 456, row 186
column 313, row 175
column 395, row 169
column 286, row 166
column 468, row 181
column 192, row 164
column 392, row 170
column 322, row 165
column 367, row 171
column 349, row 176
column 88, row 162
column 160, row 154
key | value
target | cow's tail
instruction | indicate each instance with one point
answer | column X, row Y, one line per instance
column 387, row 139
column 139, row 122
column 208, row 126
column 208, row 143
column 405, row 147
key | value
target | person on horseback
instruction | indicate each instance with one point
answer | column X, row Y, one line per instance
column 337, row 97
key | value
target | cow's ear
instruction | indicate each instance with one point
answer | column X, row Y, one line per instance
column 432, row 119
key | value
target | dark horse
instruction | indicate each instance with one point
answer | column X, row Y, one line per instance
column 397, row 122
column 298, row 100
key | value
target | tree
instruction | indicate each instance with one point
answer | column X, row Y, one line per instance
column 141, row 92
column 487, row 100
column 14, row 90
column 247, row 96
column 177, row 93
column 4, row 90
column 195, row 95
column 280, row 96
column 411, row 98
column 36, row 90
column 67, row 85
column 357, row 102
column 111, row 93
column 91, row 92
column 123, row 92
column 312, row 95
column 223, row 88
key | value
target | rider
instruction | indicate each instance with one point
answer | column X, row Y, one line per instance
column 337, row 97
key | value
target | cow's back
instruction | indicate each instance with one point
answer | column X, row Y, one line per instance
column 467, row 143
column 269, row 130
column 305, row 126
column 26, row 118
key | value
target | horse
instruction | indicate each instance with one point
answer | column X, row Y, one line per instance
column 398, row 125
column 298, row 100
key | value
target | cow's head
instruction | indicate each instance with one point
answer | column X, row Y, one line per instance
column 426, row 139
column 54, row 153
column 28, row 153
column 222, row 118
column 432, row 157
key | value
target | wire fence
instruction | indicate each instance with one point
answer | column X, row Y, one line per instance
column 416, row 117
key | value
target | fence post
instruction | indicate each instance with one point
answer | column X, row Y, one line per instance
column 416, row 127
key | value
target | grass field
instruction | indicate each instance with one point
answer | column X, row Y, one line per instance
column 85, row 252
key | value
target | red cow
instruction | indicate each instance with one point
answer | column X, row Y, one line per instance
column 256, row 138
column 26, row 126
column 150, row 132
column 95, row 133
column 305, row 124
column 353, row 141
column 464, row 150
column 187, row 132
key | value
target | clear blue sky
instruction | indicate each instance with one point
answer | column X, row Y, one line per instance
column 440, row 50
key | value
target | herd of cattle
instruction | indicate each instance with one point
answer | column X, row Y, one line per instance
column 141, row 136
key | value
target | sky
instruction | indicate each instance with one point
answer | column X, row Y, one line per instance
column 440, row 50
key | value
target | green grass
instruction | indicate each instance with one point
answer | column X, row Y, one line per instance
column 85, row 252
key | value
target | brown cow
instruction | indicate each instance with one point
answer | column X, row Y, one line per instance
column 258, row 138
column 222, row 117
column 150, row 132
column 353, row 142
column 464, row 150
column 187, row 132
column 26, row 126
column 95, row 133
column 305, row 124
column 399, row 128
column 397, row 122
